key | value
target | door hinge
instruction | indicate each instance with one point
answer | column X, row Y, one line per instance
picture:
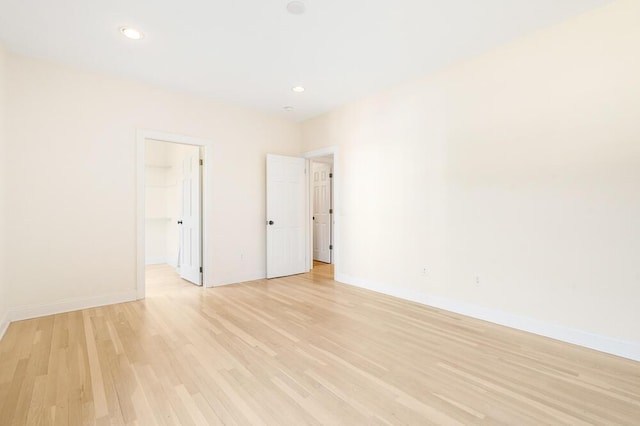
column 201, row 161
column 330, row 175
column 330, row 211
column 331, row 247
column 201, row 269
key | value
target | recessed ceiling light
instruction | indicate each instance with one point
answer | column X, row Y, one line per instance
column 288, row 108
column 298, row 89
column 131, row 33
column 296, row 7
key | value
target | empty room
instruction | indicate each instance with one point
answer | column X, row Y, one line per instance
column 304, row 212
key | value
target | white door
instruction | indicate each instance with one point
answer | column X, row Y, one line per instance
column 285, row 216
column 190, row 257
column 321, row 175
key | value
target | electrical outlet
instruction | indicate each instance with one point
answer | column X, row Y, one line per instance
column 424, row 271
column 477, row 279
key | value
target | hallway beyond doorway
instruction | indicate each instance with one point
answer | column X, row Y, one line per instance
column 322, row 270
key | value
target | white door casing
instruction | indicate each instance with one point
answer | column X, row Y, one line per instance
column 190, row 260
column 286, row 220
column 321, row 177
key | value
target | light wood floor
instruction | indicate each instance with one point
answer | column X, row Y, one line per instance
column 295, row 351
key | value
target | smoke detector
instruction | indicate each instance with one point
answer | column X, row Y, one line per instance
column 296, row 7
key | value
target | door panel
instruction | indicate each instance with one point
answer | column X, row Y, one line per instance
column 321, row 212
column 190, row 245
column 285, row 216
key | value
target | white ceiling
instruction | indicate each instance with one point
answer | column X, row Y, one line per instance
column 252, row 52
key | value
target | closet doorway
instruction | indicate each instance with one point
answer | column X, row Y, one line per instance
column 171, row 219
column 173, row 209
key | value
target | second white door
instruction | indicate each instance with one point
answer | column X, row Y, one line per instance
column 321, row 178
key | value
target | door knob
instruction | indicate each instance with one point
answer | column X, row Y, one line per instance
column 270, row 222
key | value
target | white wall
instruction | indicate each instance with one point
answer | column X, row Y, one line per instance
column 520, row 167
column 71, row 138
column 3, row 281
column 157, row 187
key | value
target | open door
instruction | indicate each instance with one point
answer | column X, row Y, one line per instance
column 286, row 221
column 321, row 181
column 190, row 258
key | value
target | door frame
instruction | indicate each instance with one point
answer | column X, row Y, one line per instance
column 141, row 136
column 335, row 193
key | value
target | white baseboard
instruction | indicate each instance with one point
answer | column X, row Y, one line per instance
column 4, row 323
column 160, row 260
column 239, row 278
column 611, row 345
column 39, row 310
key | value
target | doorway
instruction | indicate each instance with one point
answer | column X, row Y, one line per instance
column 289, row 214
column 171, row 208
column 322, row 208
column 323, row 232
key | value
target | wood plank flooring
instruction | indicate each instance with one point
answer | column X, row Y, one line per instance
column 295, row 351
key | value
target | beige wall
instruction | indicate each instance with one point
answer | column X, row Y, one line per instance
column 514, row 178
column 72, row 142
column 157, row 187
column 3, row 280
